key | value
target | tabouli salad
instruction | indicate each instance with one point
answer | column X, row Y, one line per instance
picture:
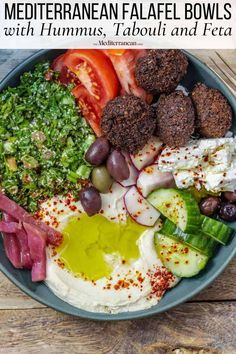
column 116, row 182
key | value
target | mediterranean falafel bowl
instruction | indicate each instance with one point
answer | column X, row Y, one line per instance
column 118, row 179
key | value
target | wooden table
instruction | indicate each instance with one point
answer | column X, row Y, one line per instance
column 206, row 324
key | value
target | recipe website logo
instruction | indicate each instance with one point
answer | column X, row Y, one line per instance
column 107, row 24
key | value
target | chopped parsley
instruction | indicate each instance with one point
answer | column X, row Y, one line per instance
column 43, row 139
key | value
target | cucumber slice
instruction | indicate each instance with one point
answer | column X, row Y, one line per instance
column 181, row 260
column 216, row 229
column 178, row 206
column 199, row 242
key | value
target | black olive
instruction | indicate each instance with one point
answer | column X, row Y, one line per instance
column 98, row 152
column 228, row 212
column 210, row 205
column 230, row 196
column 91, row 200
column 117, row 166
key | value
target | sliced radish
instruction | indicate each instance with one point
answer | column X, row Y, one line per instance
column 139, row 209
column 133, row 172
column 151, row 178
column 113, row 203
column 147, row 155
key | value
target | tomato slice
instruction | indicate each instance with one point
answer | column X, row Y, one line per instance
column 58, row 63
column 124, row 62
column 65, row 75
column 95, row 78
column 95, row 71
column 89, row 108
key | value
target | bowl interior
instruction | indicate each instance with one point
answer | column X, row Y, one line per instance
column 198, row 72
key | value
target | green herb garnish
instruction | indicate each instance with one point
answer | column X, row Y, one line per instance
column 43, row 139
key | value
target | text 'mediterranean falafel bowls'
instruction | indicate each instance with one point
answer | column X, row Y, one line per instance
column 115, row 181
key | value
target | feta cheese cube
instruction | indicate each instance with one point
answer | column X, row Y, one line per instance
column 179, row 158
column 207, row 162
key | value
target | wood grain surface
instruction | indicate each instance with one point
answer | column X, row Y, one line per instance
column 206, row 324
column 194, row 325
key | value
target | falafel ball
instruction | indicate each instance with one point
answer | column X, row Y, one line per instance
column 175, row 119
column 161, row 70
column 214, row 114
column 128, row 123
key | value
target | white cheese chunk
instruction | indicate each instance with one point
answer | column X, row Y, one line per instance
column 209, row 163
column 223, row 181
column 209, row 145
column 187, row 178
column 172, row 159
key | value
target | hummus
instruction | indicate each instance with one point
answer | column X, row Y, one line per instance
column 136, row 279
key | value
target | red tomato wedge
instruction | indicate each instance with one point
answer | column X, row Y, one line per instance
column 58, row 63
column 89, row 108
column 124, row 62
column 65, row 75
column 95, row 72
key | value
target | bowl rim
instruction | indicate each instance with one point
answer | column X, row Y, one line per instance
column 97, row 316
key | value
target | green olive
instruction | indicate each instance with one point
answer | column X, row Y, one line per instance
column 101, row 179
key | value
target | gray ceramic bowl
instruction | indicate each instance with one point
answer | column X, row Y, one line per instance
column 187, row 288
